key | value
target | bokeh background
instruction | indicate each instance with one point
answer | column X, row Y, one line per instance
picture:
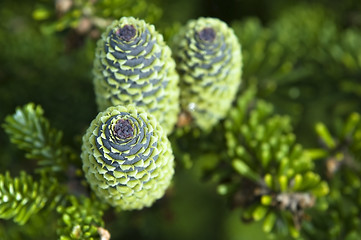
column 303, row 56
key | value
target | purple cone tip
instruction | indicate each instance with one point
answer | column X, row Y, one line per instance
column 126, row 33
column 123, row 129
column 207, row 34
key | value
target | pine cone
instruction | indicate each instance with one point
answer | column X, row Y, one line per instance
column 133, row 65
column 127, row 157
column 209, row 61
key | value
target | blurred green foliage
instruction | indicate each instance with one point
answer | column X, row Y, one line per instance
column 340, row 157
column 305, row 60
column 81, row 220
column 305, row 64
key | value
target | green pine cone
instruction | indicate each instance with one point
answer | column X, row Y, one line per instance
column 127, row 157
column 209, row 62
column 133, row 65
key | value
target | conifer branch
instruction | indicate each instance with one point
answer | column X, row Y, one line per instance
column 82, row 219
column 31, row 132
column 341, row 165
column 273, row 178
column 21, row 197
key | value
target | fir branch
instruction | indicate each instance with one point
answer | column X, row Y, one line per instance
column 341, row 164
column 273, row 177
column 343, row 150
column 267, row 59
column 21, row 197
column 31, row 132
column 82, row 219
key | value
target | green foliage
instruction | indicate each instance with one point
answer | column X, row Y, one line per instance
column 283, row 52
column 266, row 61
column 33, row 229
column 341, row 162
column 82, row 219
column 292, row 61
column 33, row 64
column 83, row 16
column 272, row 177
column 22, row 197
column 31, row 132
column 347, row 53
column 150, row 11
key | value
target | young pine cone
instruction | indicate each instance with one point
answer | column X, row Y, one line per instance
column 209, row 61
column 127, row 157
column 133, row 65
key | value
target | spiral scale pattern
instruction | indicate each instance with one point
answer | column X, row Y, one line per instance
column 209, row 61
column 133, row 65
column 127, row 157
